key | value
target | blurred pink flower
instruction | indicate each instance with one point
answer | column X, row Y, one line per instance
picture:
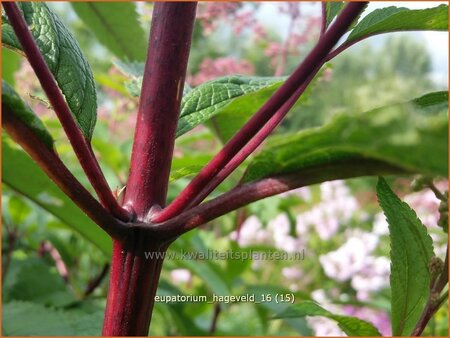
column 213, row 68
column 345, row 262
column 378, row 318
column 276, row 233
column 336, row 207
column 180, row 276
column 303, row 193
column 322, row 326
column 211, row 13
column 326, row 327
column 291, row 272
column 380, row 225
column 374, row 276
column 426, row 205
column 251, row 232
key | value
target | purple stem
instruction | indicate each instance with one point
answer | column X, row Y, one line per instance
column 161, row 93
column 79, row 144
column 134, row 277
column 254, row 191
column 52, row 165
column 315, row 58
column 323, row 26
column 251, row 146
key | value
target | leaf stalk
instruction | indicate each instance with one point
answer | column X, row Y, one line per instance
column 79, row 143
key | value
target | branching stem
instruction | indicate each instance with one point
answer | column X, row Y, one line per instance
column 254, row 191
column 52, row 165
column 314, row 59
column 79, row 143
column 134, row 276
column 251, row 146
column 162, row 90
column 323, row 25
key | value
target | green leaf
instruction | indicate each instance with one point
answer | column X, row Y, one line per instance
column 332, row 9
column 30, row 319
column 232, row 117
column 350, row 325
column 207, row 273
column 210, row 98
column 64, row 58
column 117, row 27
column 411, row 251
column 393, row 19
column 10, row 64
column 23, row 112
column 49, row 289
column 18, row 209
column 184, row 172
column 132, row 69
column 412, row 136
column 18, row 168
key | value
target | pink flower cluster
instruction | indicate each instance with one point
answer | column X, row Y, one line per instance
column 326, row 327
column 211, row 13
column 354, row 261
column 213, row 68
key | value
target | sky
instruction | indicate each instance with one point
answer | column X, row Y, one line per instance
column 436, row 42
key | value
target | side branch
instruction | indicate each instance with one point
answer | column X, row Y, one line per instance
column 162, row 90
column 310, row 65
column 254, row 191
column 323, row 23
column 49, row 161
column 252, row 145
column 77, row 140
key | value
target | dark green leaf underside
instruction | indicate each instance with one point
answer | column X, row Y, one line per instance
column 15, row 105
column 412, row 136
column 30, row 319
column 411, row 251
column 49, row 289
column 207, row 100
column 332, row 9
column 233, row 116
column 391, row 19
column 184, row 172
column 17, row 168
column 116, row 26
column 350, row 325
column 64, row 58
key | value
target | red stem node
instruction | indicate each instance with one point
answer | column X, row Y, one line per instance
column 159, row 106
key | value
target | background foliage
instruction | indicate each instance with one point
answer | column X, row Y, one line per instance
column 52, row 254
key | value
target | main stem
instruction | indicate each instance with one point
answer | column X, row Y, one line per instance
column 134, row 274
column 314, row 59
